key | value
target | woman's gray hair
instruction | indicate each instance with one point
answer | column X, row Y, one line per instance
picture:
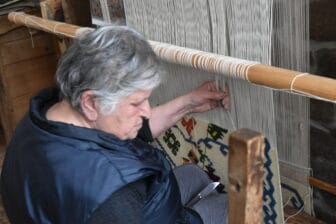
column 112, row 61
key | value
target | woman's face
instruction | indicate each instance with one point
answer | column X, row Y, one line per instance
column 126, row 120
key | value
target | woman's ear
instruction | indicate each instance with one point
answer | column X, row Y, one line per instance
column 88, row 105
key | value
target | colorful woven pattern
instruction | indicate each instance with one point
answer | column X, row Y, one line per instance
column 196, row 141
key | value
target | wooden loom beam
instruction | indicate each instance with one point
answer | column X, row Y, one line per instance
column 48, row 26
column 246, row 163
column 277, row 78
column 322, row 185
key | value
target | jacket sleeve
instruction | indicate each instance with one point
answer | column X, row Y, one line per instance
column 126, row 206
column 123, row 206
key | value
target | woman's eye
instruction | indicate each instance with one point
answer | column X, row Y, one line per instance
column 137, row 104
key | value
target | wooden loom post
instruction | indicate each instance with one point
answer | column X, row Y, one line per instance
column 52, row 10
column 77, row 12
column 245, row 177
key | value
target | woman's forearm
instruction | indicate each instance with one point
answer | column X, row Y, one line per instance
column 166, row 115
column 205, row 97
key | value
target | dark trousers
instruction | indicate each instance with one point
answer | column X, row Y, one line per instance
column 191, row 180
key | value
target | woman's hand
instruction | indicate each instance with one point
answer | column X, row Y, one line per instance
column 207, row 97
column 203, row 98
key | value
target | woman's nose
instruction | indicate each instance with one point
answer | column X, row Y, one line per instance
column 146, row 109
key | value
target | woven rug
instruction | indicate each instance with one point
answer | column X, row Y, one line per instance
column 193, row 140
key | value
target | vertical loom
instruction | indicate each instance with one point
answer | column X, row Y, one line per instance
column 270, row 32
column 252, row 30
column 278, row 50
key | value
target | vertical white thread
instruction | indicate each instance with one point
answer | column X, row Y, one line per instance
column 275, row 35
column 105, row 11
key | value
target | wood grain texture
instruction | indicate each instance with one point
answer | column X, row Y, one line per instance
column 6, row 25
column 52, row 10
column 24, row 70
column 13, row 52
column 26, row 76
column 328, row 187
column 245, row 177
column 293, row 217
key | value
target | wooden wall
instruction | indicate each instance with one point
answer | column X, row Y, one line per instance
column 27, row 65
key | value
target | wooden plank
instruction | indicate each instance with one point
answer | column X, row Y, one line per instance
column 246, row 155
column 4, row 113
column 52, row 10
column 16, row 109
column 320, row 184
column 19, row 108
column 14, row 35
column 30, row 75
column 23, row 72
column 6, row 25
column 26, row 80
column 293, row 216
column 20, row 50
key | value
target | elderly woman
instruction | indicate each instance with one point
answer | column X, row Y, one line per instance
column 81, row 154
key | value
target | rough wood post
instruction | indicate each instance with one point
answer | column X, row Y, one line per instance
column 77, row 12
column 246, row 163
column 52, row 10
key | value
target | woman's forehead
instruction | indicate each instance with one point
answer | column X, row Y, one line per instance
column 136, row 97
column 139, row 94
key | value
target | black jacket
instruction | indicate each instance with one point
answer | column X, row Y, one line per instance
column 59, row 173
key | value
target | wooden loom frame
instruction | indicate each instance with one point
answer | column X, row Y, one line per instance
column 243, row 194
column 302, row 83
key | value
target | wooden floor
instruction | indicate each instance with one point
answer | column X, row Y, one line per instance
column 300, row 218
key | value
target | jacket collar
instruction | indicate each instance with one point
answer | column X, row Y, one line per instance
column 48, row 97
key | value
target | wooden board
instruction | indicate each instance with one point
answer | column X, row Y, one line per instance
column 52, row 10
column 7, row 26
column 19, row 50
column 293, row 217
column 29, row 75
column 24, row 70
